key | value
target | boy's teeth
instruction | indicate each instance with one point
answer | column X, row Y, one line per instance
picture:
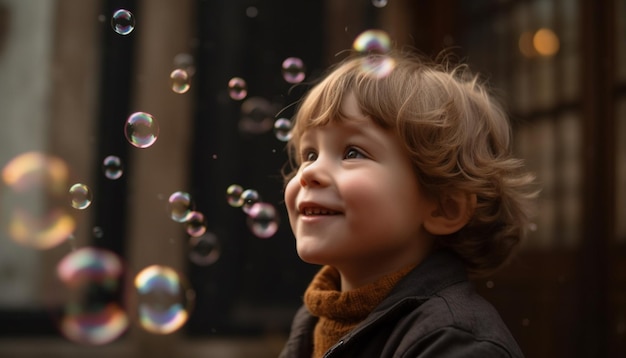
column 317, row 211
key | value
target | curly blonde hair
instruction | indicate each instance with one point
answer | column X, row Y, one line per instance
column 456, row 134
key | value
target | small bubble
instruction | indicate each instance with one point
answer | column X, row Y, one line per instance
column 252, row 12
column 249, row 198
column 237, row 88
column 293, row 70
column 195, row 224
column 141, row 130
column 112, row 167
column 532, row 227
column 180, row 206
column 204, row 250
column 123, row 22
column 97, row 232
column 282, row 129
column 81, row 196
column 525, row 322
column 372, row 41
column 102, row 18
column 379, row 3
column 180, row 81
column 489, row 284
column 257, row 115
column 262, row 220
column 233, row 195
column 164, row 299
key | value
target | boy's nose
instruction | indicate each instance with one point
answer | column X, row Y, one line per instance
column 315, row 174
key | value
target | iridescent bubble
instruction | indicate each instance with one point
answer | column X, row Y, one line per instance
column 180, row 80
column 379, row 3
column 282, row 129
column 204, row 250
column 372, row 42
column 262, row 220
column 164, row 299
column 81, row 196
column 180, row 206
column 34, row 200
column 92, row 279
column 293, row 70
column 97, row 325
column 233, row 195
column 195, row 224
column 249, row 198
column 237, row 88
column 112, row 167
column 257, row 115
column 375, row 43
column 89, row 265
column 141, row 130
column 123, row 22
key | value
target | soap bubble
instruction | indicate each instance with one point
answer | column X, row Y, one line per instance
column 195, row 224
column 34, row 196
column 164, row 299
column 237, row 88
column 81, row 196
column 249, row 197
column 92, row 279
column 204, row 250
column 373, row 42
column 180, row 206
column 112, row 167
column 257, row 115
column 180, row 81
column 379, row 3
column 262, row 220
column 123, row 22
column 233, row 195
column 282, row 129
column 293, row 70
column 141, row 129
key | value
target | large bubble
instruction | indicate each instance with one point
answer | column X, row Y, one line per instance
column 34, row 208
column 92, row 279
column 164, row 299
column 141, row 129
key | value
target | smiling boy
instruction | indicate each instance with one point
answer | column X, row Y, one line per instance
column 403, row 184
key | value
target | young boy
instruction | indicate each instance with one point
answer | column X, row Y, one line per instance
column 403, row 185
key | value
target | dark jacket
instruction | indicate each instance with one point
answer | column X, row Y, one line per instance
column 432, row 312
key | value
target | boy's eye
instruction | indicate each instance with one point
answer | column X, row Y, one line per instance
column 309, row 156
column 353, row 153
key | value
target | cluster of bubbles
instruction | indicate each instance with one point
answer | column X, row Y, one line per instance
column 92, row 276
column 203, row 245
column 262, row 218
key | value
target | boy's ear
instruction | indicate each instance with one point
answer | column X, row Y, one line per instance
column 450, row 214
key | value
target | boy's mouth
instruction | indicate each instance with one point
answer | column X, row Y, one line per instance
column 311, row 211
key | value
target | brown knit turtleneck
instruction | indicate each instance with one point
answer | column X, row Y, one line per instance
column 339, row 312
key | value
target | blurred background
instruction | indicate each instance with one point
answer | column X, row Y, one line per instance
column 129, row 137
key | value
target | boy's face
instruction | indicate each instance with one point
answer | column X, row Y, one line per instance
column 355, row 202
